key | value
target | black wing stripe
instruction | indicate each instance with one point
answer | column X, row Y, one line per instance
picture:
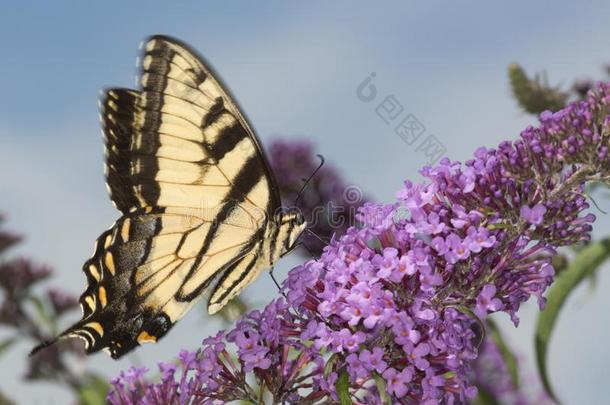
column 119, row 109
column 215, row 111
column 246, row 179
column 151, row 192
column 242, row 275
column 229, row 138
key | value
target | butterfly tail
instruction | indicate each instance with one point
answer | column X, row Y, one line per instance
column 71, row 332
column 43, row 345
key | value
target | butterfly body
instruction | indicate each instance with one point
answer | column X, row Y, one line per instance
column 201, row 210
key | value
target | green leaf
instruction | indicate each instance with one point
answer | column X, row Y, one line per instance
column 6, row 344
column 583, row 265
column 560, row 263
column 381, row 387
column 4, row 400
column 534, row 95
column 342, row 387
column 485, row 397
column 330, row 363
column 492, row 227
column 507, row 355
column 93, row 391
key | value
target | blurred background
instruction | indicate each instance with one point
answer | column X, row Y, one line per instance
column 295, row 68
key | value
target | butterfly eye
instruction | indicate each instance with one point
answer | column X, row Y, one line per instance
column 299, row 218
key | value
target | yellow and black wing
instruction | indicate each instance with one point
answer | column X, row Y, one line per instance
column 179, row 137
column 196, row 193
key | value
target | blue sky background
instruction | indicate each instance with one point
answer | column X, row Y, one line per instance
column 295, row 68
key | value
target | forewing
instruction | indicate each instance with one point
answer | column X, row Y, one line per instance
column 181, row 141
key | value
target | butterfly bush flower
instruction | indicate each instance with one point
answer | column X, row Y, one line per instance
column 393, row 308
column 61, row 302
column 269, row 353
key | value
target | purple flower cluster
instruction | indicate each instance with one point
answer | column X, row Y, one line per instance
column 25, row 314
column 374, row 301
column 269, row 354
column 395, row 306
column 61, row 302
column 20, row 274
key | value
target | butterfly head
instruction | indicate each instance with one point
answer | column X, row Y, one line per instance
column 291, row 224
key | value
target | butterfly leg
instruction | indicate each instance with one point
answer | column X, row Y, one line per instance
column 279, row 288
column 292, row 249
column 274, row 279
column 324, row 241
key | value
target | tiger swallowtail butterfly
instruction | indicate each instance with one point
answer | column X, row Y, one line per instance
column 201, row 211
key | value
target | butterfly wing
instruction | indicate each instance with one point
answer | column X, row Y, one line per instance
column 182, row 128
column 196, row 194
column 149, row 269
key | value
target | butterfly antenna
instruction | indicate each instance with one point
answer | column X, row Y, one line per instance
column 315, row 235
column 304, row 187
column 304, row 246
